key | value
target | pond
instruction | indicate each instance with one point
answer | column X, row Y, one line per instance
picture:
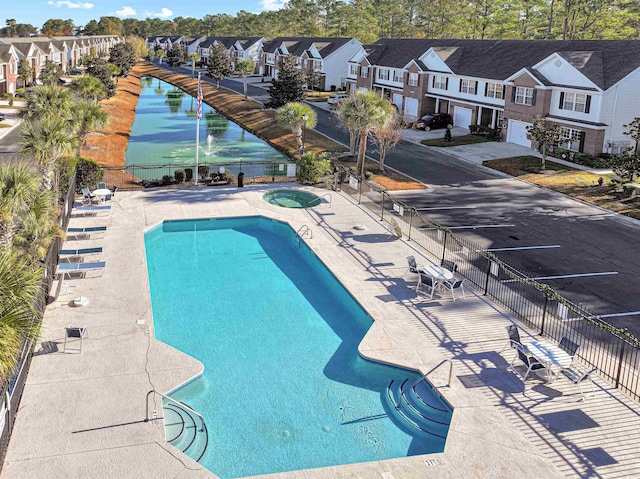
column 164, row 133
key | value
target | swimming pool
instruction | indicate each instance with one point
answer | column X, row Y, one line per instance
column 292, row 198
column 283, row 387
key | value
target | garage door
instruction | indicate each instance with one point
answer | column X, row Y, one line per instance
column 411, row 107
column 517, row 133
column 397, row 100
column 461, row 116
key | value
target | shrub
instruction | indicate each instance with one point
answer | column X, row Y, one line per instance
column 368, row 175
column 88, row 173
column 65, row 168
column 188, row 174
column 203, row 171
column 313, row 167
column 179, row 176
column 9, row 98
column 629, row 190
column 167, row 179
column 581, row 158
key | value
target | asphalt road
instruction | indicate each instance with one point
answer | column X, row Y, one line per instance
column 594, row 251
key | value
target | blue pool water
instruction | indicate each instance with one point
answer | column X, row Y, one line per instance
column 164, row 131
column 283, row 387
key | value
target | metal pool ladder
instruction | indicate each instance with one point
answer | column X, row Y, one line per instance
column 302, row 231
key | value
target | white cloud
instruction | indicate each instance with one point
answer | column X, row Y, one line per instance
column 163, row 13
column 126, row 12
column 272, row 4
column 68, row 4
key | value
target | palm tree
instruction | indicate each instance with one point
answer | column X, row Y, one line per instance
column 88, row 87
column 295, row 116
column 46, row 141
column 47, row 100
column 18, row 185
column 363, row 112
column 20, row 282
column 193, row 58
column 38, row 226
column 244, row 68
column 87, row 117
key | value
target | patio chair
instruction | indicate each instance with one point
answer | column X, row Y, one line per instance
column 514, row 337
column 450, row 265
column 529, row 361
column 426, row 281
column 413, row 266
column 81, row 269
column 87, row 198
column 79, row 332
column 570, row 347
column 92, row 210
column 577, row 375
column 78, row 255
column 113, row 193
column 102, row 186
column 454, row 285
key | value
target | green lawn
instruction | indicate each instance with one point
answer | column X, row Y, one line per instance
column 455, row 140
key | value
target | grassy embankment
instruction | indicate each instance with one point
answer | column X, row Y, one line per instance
column 578, row 184
column 109, row 149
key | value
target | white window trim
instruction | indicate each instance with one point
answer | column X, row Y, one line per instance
column 353, row 70
column 570, row 102
column 398, row 76
column 440, row 82
column 570, row 138
column 364, row 72
column 470, row 87
column 524, row 96
column 413, row 79
column 386, row 72
column 495, row 90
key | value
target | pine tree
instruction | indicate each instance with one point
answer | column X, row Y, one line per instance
column 289, row 86
column 175, row 56
column 219, row 66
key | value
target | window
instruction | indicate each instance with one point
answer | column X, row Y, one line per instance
column 494, row 90
column 413, row 79
column 499, row 118
column 523, row 96
column 397, row 76
column 575, row 102
column 364, row 72
column 570, row 139
column 440, row 82
column 468, row 86
column 353, row 70
column 618, row 147
column 383, row 74
column 352, row 87
column 304, row 64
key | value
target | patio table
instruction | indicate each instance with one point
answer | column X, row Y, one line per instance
column 438, row 274
column 550, row 356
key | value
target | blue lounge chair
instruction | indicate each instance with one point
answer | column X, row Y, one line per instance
column 92, row 210
column 66, row 269
column 78, row 233
column 69, row 254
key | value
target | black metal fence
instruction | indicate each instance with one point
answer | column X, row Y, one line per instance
column 11, row 389
column 145, row 176
column 615, row 352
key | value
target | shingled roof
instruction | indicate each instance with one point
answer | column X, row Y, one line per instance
column 604, row 62
column 298, row 45
column 5, row 53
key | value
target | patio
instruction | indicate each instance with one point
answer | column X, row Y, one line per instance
column 82, row 415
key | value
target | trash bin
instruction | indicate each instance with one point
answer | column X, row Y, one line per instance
column 240, row 179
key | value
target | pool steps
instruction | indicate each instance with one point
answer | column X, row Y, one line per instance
column 418, row 407
column 185, row 431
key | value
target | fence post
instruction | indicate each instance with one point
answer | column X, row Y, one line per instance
column 544, row 313
column 486, row 280
column 620, row 359
column 410, row 222
column 444, row 244
column 382, row 212
column 359, row 190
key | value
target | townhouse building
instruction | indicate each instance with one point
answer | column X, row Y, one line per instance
column 66, row 51
column 589, row 88
column 239, row 48
column 324, row 57
column 8, row 69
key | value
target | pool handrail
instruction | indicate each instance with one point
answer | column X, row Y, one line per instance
column 177, row 403
column 303, row 230
column 319, row 200
column 424, row 376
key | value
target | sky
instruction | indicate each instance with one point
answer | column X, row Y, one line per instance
column 36, row 12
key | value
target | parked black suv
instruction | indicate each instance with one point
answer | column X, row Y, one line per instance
column 434, row 120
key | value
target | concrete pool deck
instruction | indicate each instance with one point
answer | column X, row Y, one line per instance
column 83, row 414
